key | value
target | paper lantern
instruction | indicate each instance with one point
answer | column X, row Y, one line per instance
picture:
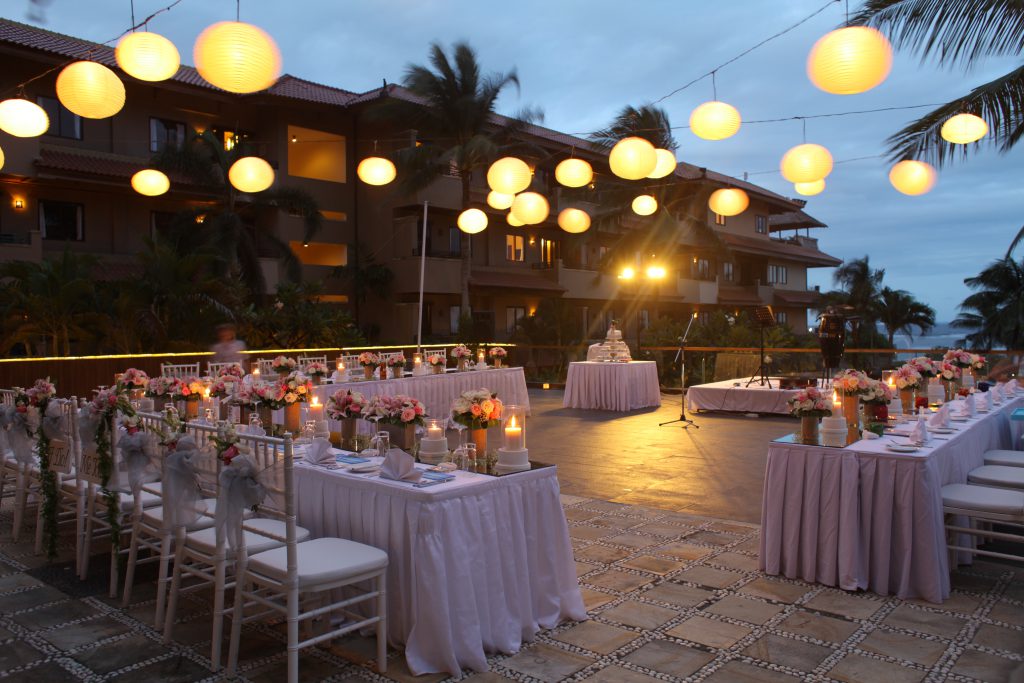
column 237, row 57
column 376, row 171
column 912, row 177
column 715, row 121
column 810, row 189
column 1, row 158
column 728, row 201
column 472, row 221
column 665, row 165
column 23, row 119
column 150, row 182
column 574, row 221
column 574, row 173
column 849, row 60
column 90, row 90
column 499, row 200
column 147, row 56
column 964, row 129
column 632, row 158
column 531, row 208
column 509, row 175
column 513, row 221
column 645, row 205
column 251, row 174
column 806, row 163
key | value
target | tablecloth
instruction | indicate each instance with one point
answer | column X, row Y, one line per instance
column 612, row 386
column 862, row 517
column 742, row 399
column 476, row 565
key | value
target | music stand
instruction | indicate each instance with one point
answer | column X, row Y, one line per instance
column 765, row 318
column 681, row 358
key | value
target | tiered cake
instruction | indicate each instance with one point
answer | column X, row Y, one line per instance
column 612, row 349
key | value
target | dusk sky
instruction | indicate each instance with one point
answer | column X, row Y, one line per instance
column 580, row 62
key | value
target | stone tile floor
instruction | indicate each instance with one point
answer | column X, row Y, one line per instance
column 672, row 597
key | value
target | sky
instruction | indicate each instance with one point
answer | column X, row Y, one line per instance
column 581, row 61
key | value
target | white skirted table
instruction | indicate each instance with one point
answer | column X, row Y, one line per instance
column 612, row 386
column 865, row 518
column 476, row 565
column 727, row 396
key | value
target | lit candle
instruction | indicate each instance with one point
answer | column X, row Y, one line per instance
column 341, row 366
column 316, row 409
column 434, row 432
column 837, row 405
column 513, row 436
column 256, row 371
column 480, row 356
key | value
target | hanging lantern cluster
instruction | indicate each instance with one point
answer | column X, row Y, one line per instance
column 715, row 121
column 531, row 208
column 376, row 171
column 728, row 201
column 509, row 176
column 90, row 90
column 251, row 175
column 912, row 177
column 806, row 163
column 849, row 60
column 23, row 119
column 573, row 173
column 147, row 56
column 150, row 182
column 963, row 129
column 499, row 200
column 633, row 158
column 472, row 221
column 237, row 57
column 645, row 205
column 574, row 221
column 810, row 189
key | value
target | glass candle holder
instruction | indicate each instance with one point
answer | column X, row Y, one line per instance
column 480, row 357
column 434, row 429
column 254, row 368
column 513, row 425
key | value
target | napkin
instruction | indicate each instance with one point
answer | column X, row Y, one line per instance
column 399, row 466
column 319, row 452
column 337, row 377
column 987, row 400
column 996, row 392
column 919, row 434
column 868, row 436
column 941, row 418
column 970, row 406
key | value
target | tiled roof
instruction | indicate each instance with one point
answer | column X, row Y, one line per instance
column 794, row 252
column 301, row 89
column 95, row 163
column 792, row 220
column 509, row 280
column 802, row 297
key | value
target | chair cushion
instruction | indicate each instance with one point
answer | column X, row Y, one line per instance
column 1008, row 458
column 983, row 499
column 149, row 500
column 321, row 561
column 205, row 540
column 997, row 475
column 155, row 516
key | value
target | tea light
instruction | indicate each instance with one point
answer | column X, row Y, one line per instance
column 341, row 365
column 256, row 369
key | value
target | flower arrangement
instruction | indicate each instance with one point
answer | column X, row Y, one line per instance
column 262, row 392
column 283, row 364
column 878, row 393
column 224, row 386
column 226, row 442
column 977, row 361
column 297, row 388
column 132, row 423
column 907, row 377
column 41, row 392
column 397, row 410
column 959, row 358
column 850, row 382
column 368, row 359
column 317, row 369
column 477, row 409
column 163, row 387
column 133, row 378
column 949, row 371
column 925, row 366
column 497, row 352
column 233, row 370
column 810, row 402
column 435, row 360
column 346, row 403
column 397, row 361
column 461, row 351
column 191, row 389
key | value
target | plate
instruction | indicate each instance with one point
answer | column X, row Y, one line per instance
column 901, row 448
column 941, row 430
column 364, row 469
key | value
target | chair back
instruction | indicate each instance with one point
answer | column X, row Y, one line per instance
column 272, row 457
column 427, row 353
column 179, row 370
column 63, row 454
column 351, row 362
column 7, row 397
column 213, row 369
column 306, row 360
column 266, row 366
column 385, row 357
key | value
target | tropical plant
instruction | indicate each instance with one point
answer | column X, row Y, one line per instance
column 859, row 286
column 995, row 311
column 365, row 275
column 298, row 319
column 899, row 311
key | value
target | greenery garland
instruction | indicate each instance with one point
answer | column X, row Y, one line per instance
column 107, row 404
column 50, row 493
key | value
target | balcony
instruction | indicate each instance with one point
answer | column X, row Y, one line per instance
column 442, row 275
column 21, row 247
column 590, row 284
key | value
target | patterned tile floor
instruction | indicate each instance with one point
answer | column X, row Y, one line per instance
column 672, row 597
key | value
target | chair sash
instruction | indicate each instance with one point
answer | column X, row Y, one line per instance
column 244, row 486
column 21, row 436
column 140, row 462
column 183, row 500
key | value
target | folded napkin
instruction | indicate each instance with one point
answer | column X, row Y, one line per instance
column 986, row 400
column 319, row 452
column 919, row 434
column 940, row 418
column 868, row 436
column 971, row 406
column 996, row 392
column 399, row 466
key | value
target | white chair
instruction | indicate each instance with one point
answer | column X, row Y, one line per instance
column 986, row 505
column 306, row 360
column 277, row 580
column 1005, row 458
column 180, row 370
column 427, row 353
column 351, row 362
column 999, row 476
column 213, row 369
column 266, row 366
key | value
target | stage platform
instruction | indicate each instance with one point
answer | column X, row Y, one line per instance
column 734, row 396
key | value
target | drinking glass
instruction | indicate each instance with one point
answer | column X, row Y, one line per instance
column 470, row 461
column 308, row 430
column 383, row 443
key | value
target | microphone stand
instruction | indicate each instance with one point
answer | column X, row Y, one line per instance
column 681, row 359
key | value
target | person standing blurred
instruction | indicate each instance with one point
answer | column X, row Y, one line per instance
column 228, row 348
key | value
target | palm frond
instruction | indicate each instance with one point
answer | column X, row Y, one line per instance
column 648, row 122
column 1017, row 241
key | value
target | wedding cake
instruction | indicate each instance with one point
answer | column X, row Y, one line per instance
column 612, row 349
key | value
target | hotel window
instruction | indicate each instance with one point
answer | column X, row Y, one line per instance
column 548, row 252
column 63, row 123
column 513, row 247
column 61, row 221
column 727, row 271
column 761, row 224
column 719, row 219
column 513, row 314
column 230, row 138
column 316, row 154
column 781, row 318
column 702, row 268
column 777, row 275
column 164, row 133
column 453, row 319
column 454, row 241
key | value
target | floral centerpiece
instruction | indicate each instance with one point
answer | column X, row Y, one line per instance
column 849, row 385
column 925, row 366
column 224, row 386
column 369, row 360
column 297, row 389
column 950, row 374
column 977, row 361
column 283, row 365
column 191, row 390
column 233, row 370
column 876, row 400
column 810, row 405
column 908, row 382
column 959, row 358
column 477, row 410
column 461, row 354
column 497, row 354
column 346, row 404
column 135, row 381
column 398, row 415
column 163, row 388
column 317, row 371
column 437, row 363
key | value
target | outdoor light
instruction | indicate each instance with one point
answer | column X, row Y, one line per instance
column 147, row 56
column 806, row 163
column 574, row 221
column 645, row 205
column 23, row 119
column 472, row 221
column 513, row 221
column 655, row 272
column 964, row 129
column 90, row 90
column 1, row 166
column 499, row 200
column 376, row 171
column 574, row 173
column 665, row 165
column 237, row 57
column 912, row 177
column 715, row 121
column 18, row 203
column 728, row 201
column 251, row 174
column 509, row 175
column 627, row 273
column 632, row 158
column 849, row 60
column 531, row 208
column 810, row 189
column 150, row 182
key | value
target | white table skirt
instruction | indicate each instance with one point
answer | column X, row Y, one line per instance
column 477, row 567
column 612, row 386
column 741, row 399
column 863, row 518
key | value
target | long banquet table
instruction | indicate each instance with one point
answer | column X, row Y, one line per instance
column 734, row 395
column 476, row 565
column 862, row 517
column 595, row 385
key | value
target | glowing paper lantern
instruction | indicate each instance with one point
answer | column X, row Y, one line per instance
column 513, row 221
column 150, row 182
column 806, row 163
column 810, row 189
column 147, row 56
column 632, row 158
column 376, row 171
column 509, row 175
column 251, row 174
column 849, row 60
column 1, row 158
column 23, row 119
column 645, row 205
column 728, row 201
column 472, row 221
column 665, row 165
column 574, row 173
column 964, row 129
column 574, row 221
column 531, row 208
column 499, row 200
column 912, row 177
column 715, row 121
column 237, row 57
column 90, row 90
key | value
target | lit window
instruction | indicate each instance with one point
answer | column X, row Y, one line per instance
column 316, row 154
column 164, row 133
column 63, row 123
column 513, row 247
column 548, row 251
column 719, row 219
column 761, row 224
column 231, row 138
column 61, row 221
column 513, row 314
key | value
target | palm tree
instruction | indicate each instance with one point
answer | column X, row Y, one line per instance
column 648, row 122
column 995, row 311
column 859, row 287
column 899, row 311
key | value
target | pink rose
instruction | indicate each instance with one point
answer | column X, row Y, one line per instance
column 475, row 410
column 419, row 410
column 408, row 415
